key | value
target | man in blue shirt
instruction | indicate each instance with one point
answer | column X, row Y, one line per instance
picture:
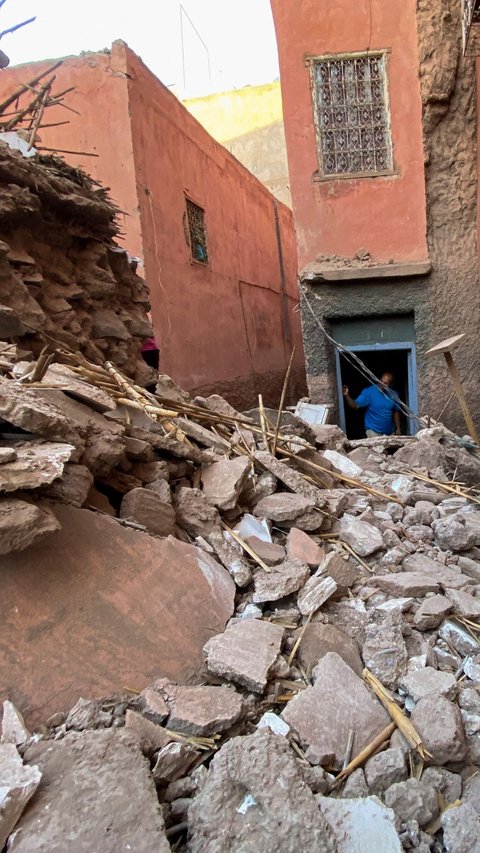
column 381, row 404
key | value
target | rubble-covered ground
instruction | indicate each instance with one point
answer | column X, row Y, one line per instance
column 322, row 598
column 348, row 560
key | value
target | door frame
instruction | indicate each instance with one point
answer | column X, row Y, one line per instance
column 412, row 401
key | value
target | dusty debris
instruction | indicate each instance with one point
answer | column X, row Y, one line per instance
column 23, row 524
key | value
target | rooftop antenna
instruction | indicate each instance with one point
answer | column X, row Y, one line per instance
column 184, row 13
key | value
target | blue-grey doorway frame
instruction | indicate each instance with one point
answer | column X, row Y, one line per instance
column 412, row 401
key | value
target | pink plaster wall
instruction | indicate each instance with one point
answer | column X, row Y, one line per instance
column 220, row 327
column 384, row 215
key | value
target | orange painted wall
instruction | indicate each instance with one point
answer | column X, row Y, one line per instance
column 226, row 316
column 216, row 325
column 385, row 215
column 100, row 125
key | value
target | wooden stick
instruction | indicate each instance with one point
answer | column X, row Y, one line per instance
column 282, row 402
column 353, row 554
column 457, row 384
column 247, row 548
column 348, row 751
column 366, row 753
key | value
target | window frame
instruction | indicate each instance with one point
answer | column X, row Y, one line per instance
column 188, row 198
column 319, row 174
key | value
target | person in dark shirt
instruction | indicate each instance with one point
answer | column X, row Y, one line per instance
column 381, row 404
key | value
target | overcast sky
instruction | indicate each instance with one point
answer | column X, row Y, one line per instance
column 238, row 38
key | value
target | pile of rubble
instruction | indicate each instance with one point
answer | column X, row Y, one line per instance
column 61, row 273
column 339, row 705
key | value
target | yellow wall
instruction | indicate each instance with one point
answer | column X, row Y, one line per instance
column 227, row 115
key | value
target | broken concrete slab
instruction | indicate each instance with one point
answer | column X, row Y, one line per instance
column 342, row 463
column 146, row 508
column 342, row 572
column 17, row 785
column 245, row 652
column 204, row 711
column 73, row 487
column 461, row 829
column 363, row 538
column 173, row 762
column 384, row 769
column 361, row 825
column 137, row 612
column 302, row 547
column 428, row 681
column 269, row 552
column 65, row 379
column 452, row 534
column 464, row 604
column 319, row 639
column 413, row 800
column 253, row 787
column 458, row 637
column 24, row 524
column 406, row 584
column 384, row 651
column 194, row 513
column 446, row 576
column 282, row 506
column 316, row 592
column 36, row 464
column 323, row 715
column 432, row 612
column 223, row 481
column 14, row 729
column 230, row 554
column 439, row 724
column 291, row 478
column 283, row 579
column 150, row 736
column 95, row 786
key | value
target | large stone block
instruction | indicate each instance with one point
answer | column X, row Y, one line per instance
column 97, row 794
column 99, row 606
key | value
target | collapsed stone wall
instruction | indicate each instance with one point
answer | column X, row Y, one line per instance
column 62, row 278
column 446, row 301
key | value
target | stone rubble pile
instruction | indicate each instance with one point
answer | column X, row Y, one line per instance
column 345, row 558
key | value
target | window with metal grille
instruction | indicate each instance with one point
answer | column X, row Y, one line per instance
column 196, row 232
column 351, row 110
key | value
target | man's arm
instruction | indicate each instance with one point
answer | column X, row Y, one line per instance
column 349, row 401
column 396, row 421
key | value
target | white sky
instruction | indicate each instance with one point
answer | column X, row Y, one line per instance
column 239, row 36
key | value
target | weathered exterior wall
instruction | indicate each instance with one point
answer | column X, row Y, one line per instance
column 445, row 302
column 222, row 322
column 220, row 327
column 249, row 123
column 340, row 217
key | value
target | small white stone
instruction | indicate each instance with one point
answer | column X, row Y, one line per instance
column 273, row 722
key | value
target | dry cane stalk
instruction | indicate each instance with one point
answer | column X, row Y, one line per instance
column 282, row 402
column 246, row 548
column 401, row 721
column 365, row 753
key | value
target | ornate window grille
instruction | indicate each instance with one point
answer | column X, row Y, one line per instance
column 196, row 232
column 351, row 110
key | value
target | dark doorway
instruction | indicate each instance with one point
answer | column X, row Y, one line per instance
column 395, row 361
